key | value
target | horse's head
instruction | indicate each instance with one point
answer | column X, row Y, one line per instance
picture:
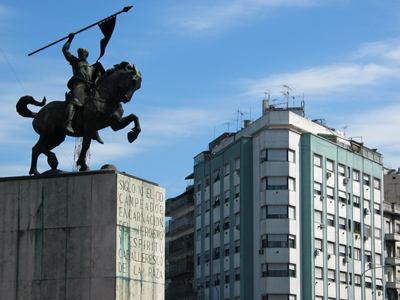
column 130, row 81
column 121, row 81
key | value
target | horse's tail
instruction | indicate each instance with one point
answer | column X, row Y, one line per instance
column 23, row 102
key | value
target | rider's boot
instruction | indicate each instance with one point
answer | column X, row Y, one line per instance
column 70, row 111
column 97, row 137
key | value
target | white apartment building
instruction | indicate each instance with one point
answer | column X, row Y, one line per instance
column 288, row 209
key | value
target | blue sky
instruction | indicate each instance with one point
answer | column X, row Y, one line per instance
column 201, row 63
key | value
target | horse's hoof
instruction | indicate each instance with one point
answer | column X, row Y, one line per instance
column 84, row 169
column 33, row 172
column 132, row 135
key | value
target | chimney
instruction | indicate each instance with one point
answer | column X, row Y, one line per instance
column 265, row 106
column 247, row 123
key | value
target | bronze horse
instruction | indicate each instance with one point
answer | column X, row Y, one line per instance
column 102, row 109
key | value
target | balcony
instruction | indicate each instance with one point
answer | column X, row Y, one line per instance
column 395, row 236
column 180, row 291
column 180, row 224
column 393, row 284
column 174, row 204
column 175, row 247
column 180, row 266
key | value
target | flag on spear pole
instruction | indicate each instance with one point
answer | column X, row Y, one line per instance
column 107, row 28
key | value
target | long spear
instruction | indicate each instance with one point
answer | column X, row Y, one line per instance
column 127, row 8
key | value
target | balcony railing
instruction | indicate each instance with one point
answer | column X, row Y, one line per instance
column 180, row 223
column 181, row 266
column 174, row 204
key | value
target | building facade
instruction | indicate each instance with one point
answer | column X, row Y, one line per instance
column 288, row 208
column 391, row 210
column 179, row 247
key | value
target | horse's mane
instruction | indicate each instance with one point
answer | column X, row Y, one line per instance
column 125, row 66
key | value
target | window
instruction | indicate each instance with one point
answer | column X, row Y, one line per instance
column 356, row 175
column 343, row 277
column 330, row 192
column 226, row 276
column 317, row 188
column 281, row 270
column 237, row 274
column 216, row 253
column 216, row 175
column 330, row 220
column 356, row 201
column 280, row 241
column 357, row 280
column 226, row 196
column 342, row 197
column 341, row 170
column 367, row 256
column 226, row 223
column 217, row 227
column 277, row 183
column 280, row 212
column 388, row 226
column 329, row 165
column 227, row 169
column 366, row 180
column 377, row 183
column 331, row 275
column 318, row 244
column 317, row 160
column 237, row 246
column 331, row 248
column 226, row 250
column 216, row 201
column 237, row 191
column 318, row 273
column 317, row 216
column 264, row 270
column 207, row 180
column 199, row 186
column 237, row 163
column 357, row 227
column 291, row 156
column 207, row 228
column 342, row 223
column 342, row 250
column 291, row 184
column 217, row 279
column 198, row 259
column 377, row 208
column 207, row 204
column 357, row 254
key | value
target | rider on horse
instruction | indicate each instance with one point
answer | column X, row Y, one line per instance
column 85, row 76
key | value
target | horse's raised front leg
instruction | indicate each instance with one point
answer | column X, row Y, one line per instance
column 119, row 123
column 43, row 146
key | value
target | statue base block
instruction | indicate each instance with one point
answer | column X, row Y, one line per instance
column 82, row 236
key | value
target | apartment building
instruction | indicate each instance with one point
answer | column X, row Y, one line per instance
column 288, row 208
column 179, row 246
column 391, row 211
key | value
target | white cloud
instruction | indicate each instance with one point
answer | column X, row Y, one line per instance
column 217, row 16
column 322, row 80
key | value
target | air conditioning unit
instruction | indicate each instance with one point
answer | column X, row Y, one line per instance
column 261, row 251
column 346, row 259
column 263, row 159
column 345, row 181
column 317, row 252
column 366, row 211
column 328, row 174
column 237, row 227
column 322, row 226
column 237, row 171
column 366, row 238
column 322, row 198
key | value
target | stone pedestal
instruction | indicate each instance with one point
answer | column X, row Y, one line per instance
column 90, row 236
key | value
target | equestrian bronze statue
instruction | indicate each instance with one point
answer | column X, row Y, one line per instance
column 101, row 108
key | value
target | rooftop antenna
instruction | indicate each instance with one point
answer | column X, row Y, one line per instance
column 344, row 129
column 238, row 112
column 286, row 93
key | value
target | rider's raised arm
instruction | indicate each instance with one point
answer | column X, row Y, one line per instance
column 68, row 55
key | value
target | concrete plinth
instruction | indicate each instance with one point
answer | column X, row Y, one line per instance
column 89, row 236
